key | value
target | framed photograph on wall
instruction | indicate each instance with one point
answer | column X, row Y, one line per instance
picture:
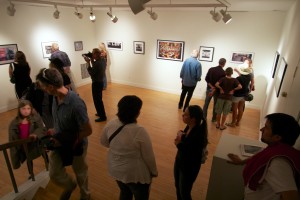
column 114, row 45
column 78, row 45
column 139, row 47
column 46, row 49
column 7, row 53
column 280, row 76
column 206, row 53
column 239, row 57
column 170, row 50
column 276, row 59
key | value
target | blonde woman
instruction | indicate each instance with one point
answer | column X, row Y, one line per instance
column 104, row 55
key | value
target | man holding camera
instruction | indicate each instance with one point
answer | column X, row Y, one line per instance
column 68, row 140
column 96, row 68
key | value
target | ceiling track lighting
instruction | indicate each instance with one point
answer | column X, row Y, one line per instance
column 56, row 12
column 152, row 14
column 11, row 9
column 215, row 15
column 78, row 14
column 113, row 18
column 226, row 17
column 92, row 16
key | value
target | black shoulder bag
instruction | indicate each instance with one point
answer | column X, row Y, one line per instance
column 115, row 133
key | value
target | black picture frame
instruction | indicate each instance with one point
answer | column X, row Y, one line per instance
column 7, row 53
column 206, row 53
column 280, row 76
column 139, row 47
column 170, row 50
column 275, row 64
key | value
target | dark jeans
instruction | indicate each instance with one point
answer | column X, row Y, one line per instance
column 189, row 91
column 138, row 190
column 184, row 180
column 206, row 104
column 97, row 88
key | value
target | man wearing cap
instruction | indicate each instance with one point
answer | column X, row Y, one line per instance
column 63, row 56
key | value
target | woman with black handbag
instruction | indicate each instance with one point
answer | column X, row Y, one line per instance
column 20, row 70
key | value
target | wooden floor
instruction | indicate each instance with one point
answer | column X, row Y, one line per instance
column 162, row 120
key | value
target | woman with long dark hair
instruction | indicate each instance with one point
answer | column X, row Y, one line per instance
column 191, row 143
column 21, row 70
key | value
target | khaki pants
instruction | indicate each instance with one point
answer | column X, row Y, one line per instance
column 59, row 175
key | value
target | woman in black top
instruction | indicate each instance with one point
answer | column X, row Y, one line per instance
column 21, row 70
column 191, row 142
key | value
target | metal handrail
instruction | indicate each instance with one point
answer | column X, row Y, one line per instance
column 24, row 143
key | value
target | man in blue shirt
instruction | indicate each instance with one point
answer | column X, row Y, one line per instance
column 190, row 74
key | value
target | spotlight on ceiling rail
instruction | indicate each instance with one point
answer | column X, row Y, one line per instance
column 56, row 12
column 92, row 16
column 11, row 9
column 226, row 17
column 113, row 18
column 152, row 14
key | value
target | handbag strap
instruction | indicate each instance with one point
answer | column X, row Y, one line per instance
column 115, row 133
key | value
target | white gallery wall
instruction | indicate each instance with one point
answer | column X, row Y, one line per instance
column 257, row 32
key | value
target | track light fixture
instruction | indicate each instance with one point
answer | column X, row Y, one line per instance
column 215, row 15
column 92, row 16
column 11, row 9
column 226, row 17
column 78, row 14
column 113, row 18
column 56, row 12
column 152, row 14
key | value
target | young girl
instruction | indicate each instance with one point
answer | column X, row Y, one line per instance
column 27, row 123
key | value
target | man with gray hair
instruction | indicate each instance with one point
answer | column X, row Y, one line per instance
column 190, row 74
column 63, row 56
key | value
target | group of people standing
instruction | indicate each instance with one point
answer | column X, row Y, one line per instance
column 228, row 93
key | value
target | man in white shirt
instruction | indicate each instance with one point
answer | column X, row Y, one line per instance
column 273, row 174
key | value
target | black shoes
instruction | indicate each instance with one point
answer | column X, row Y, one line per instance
column 100, row 119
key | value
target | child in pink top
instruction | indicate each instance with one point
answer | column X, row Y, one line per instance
column 27, row 123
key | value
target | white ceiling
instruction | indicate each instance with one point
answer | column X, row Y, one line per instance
column 234, row 5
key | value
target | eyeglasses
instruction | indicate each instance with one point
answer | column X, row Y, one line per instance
column 44, row 75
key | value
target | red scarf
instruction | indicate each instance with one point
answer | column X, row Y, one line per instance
column 255, row 166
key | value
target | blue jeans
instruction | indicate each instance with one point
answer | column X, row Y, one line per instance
column 138, row 190
column 206, row 104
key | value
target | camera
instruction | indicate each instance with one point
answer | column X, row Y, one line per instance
column 47, row 143
column 89, row 55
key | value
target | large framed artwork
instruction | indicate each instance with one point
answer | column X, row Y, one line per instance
column 206, row 53
column 114, row 45
column 7, row 53
column 139, row 47
column 280, row 76
column 170, row 50
column 275, row 63
column 46, row 48
column 239, row 57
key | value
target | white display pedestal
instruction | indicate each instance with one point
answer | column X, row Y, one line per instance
column 226, row 181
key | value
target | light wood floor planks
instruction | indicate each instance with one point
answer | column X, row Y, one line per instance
column 162, row 120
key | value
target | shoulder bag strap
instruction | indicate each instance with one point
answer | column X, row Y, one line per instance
column 115, row 133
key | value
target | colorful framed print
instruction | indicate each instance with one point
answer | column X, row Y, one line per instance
column 7, row 53
column 170, row 50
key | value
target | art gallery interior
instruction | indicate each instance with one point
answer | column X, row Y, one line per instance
column 254, row 29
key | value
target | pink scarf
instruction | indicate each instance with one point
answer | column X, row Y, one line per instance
column 255, row 166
